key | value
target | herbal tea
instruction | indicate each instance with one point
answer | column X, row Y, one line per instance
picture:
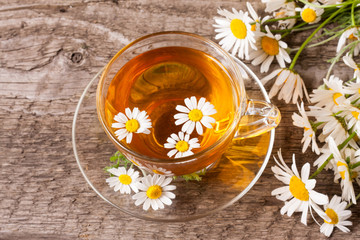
column 174, row 89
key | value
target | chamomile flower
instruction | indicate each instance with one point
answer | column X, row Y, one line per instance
column 299, row 190
column 269, row 47
column 335, row 210
column 351, row 116
column 310, row 14
column 255, row 18
column 235, row 32
column 155, row 192
column 287, row 10
column 288, row 83
column 157, row 170
column 333, row 95
column 124, row 180
column 133, row 122
column 182, row 145
column 342, row 171
column 272, row 5
column 309, row 134
column 351, row 63
column 194, row 115
column 333, row 125
column 351, row 34
column 353, row 88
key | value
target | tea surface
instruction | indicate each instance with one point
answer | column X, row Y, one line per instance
column 159, row 80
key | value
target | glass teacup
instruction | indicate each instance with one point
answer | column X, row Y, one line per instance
column 172, row 103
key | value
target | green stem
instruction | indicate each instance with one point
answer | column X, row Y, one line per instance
column 352, row 14
column 279, row 19
column 341, row 146
column 355, row 165
column 336, row 59
column 311, row 36
column 350, row 204
column 322, row 42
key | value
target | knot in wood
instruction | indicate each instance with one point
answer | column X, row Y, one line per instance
column 76, row 57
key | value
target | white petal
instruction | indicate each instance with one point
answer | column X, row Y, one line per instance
column 199, row 128
column 181, row 108
column 128, row 113
column 188, row 103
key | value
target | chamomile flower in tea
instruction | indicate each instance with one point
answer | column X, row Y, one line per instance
column 195, row 115
column 133, row 122
column 181, row 144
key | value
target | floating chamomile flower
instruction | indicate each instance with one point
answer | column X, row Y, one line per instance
column 235, row 32
column 124, row 180
column 133, row 122
column 195, row 114
column 342, row 170
column 155, row 192
column 288, row 83
column 351, row 63
column 299, row 190
column 309, row 134
column 272, row 5
column 182, row 145
column 335, row 210
column 332, row 96
column 351, row 34
column 310, row 14
column 269, row 47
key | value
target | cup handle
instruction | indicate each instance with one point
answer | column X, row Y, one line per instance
column 260, row 117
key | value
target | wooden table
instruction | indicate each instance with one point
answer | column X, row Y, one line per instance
column 49, row 50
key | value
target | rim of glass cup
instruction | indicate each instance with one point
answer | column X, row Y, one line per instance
column 195, row 156
column 187, row 218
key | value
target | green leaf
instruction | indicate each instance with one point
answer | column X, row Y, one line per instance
column 119, row 160
column 194, row 176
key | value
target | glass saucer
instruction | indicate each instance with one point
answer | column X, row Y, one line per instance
column 237, row 171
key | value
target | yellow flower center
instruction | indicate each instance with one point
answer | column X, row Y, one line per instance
column 154, row 192
column 238, row 28
column 297, row 189
column 308, row 129
column 182, row 146
column 125, row 179
column 195, row 115
column 308, row 15
column 352, row 37
column 253, row 27
column 158, row 172
column 332, row 215
column 336, row 96
column 342, row 173
column 359, row 90
column 270, row 45
column 355, row 114
column 132, row 125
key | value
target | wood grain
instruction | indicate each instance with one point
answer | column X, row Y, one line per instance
column 49, row 50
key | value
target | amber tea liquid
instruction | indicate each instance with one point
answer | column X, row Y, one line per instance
column 159, row 80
